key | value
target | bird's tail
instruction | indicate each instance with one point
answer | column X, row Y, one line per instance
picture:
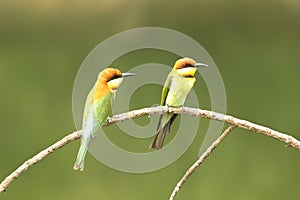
column 79, row 164
column 159, row 139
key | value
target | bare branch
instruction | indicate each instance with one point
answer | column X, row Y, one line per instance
column 291, row 141
column 25, row 166
column 201, row 159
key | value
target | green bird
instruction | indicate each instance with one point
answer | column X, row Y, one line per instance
column 177, row 86
column 97, row 108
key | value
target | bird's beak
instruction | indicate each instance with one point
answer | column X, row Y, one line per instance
column 200, row 65
column 128, row 74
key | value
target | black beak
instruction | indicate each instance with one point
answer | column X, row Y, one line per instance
column 200, row 65
column 128, row 74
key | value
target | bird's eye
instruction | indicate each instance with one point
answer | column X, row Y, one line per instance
column 187, row 65
column 113, row 77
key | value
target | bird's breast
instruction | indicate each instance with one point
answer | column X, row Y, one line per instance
column 179, row 89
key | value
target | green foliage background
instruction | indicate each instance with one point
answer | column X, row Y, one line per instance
column 255, row 44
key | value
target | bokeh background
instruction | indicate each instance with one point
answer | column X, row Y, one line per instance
column 255, row 45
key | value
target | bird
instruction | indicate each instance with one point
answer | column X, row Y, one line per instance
column 178, row 84
column 97, row 108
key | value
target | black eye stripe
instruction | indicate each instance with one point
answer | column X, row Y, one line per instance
column 114, row 77
column 185, row 66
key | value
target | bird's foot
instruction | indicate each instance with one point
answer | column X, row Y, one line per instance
column 169, row 108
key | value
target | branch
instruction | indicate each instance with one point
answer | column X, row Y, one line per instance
column 197, row 112
column 25, row 166
column 208, row 151
column 291, row 141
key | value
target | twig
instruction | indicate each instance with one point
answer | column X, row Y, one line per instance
column 291, row 141
column 197, row 112
column 25, row 166
column 201, row 159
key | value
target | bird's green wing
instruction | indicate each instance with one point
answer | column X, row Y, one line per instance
column 102, row 108
column 166, row 89
column 164, row 95
column 88, row 103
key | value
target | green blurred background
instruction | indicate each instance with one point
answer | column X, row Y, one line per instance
column 255, row 44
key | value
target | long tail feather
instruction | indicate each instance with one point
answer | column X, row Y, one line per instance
column 159, row 139
column 79, row 164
